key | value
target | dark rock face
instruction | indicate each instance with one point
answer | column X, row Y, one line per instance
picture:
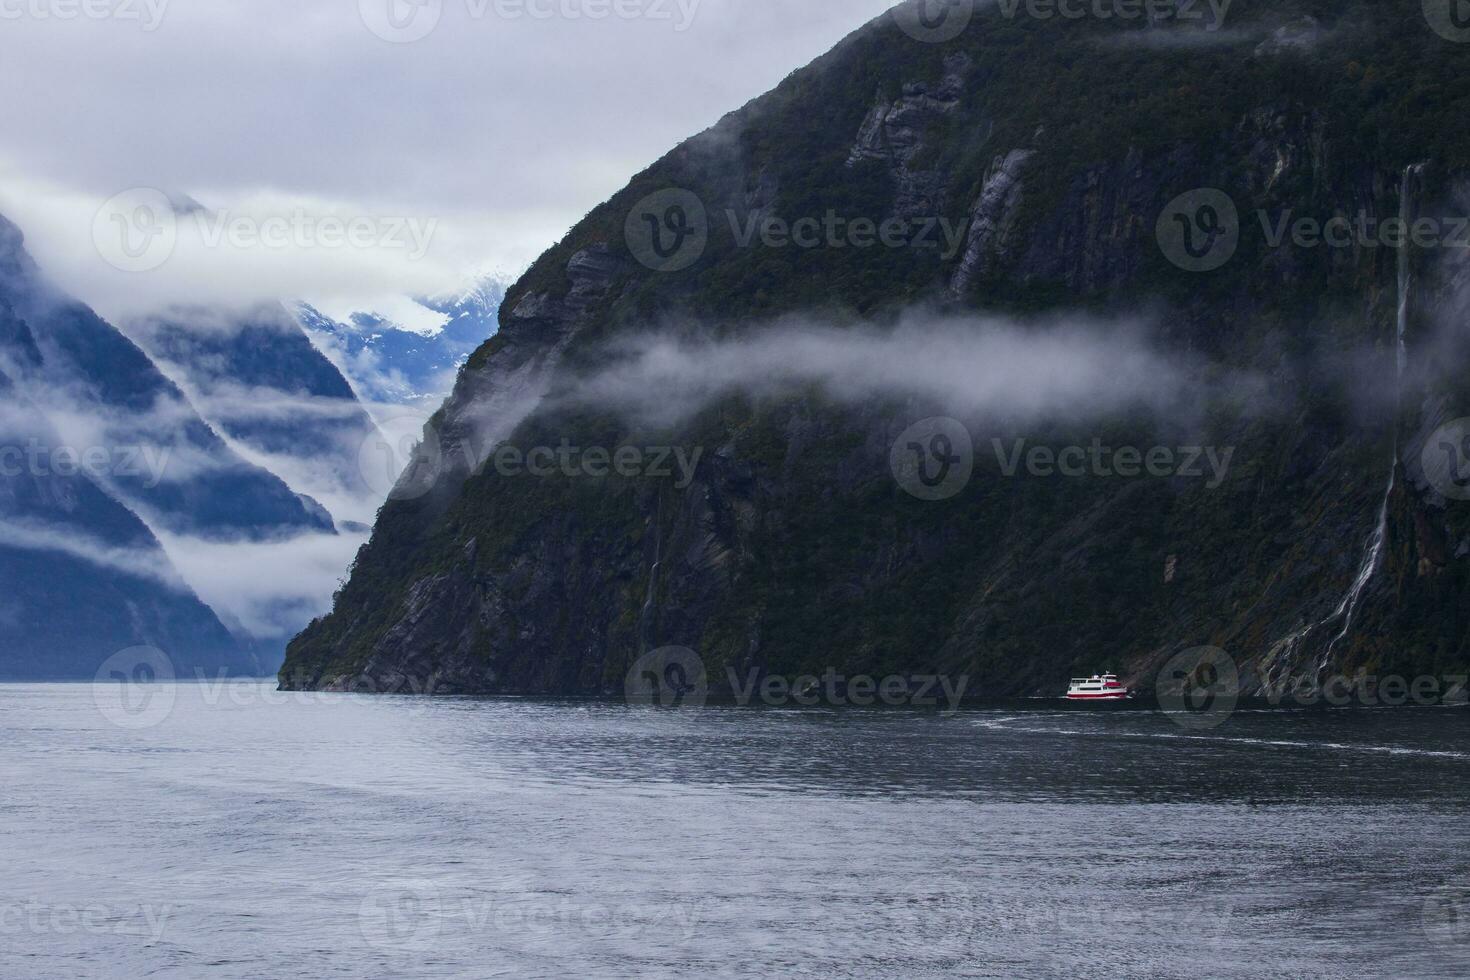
column 895, row 131
column 492, row 399
column 992, row 221
column 793, row 549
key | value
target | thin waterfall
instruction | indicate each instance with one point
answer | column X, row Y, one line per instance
column 1373, row 557
column 1284, row 651
column 649, row 612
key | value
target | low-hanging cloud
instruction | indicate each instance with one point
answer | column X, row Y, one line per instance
column 138, row 561
column 265, row 589
column 971, row 367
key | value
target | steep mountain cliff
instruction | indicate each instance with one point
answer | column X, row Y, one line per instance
column 83, row 577
column 257, row 378
column 105, row 463
column 112, row 395
column 1080, row 233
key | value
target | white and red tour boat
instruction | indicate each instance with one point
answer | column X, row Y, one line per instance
column 1098, row 687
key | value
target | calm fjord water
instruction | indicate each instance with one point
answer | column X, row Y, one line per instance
column 251, row 834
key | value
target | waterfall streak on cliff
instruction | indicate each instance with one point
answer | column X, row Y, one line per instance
column 1284, row 650
column 1374, row 555
column 650, row 602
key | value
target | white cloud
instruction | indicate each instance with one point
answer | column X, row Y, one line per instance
column 32, row 535
column 265, row 588
column 972, row 367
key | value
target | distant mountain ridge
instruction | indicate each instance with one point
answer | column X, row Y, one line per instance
column 91, row 371
column 207, row 432
column 391, row 363
column 257, row 377
column 81, row 576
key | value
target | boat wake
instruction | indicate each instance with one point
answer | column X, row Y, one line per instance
column 1001, row 724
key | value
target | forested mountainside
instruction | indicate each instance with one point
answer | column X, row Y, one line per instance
column 1080, row 233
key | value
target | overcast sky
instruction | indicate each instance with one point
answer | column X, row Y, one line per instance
column 490, row 135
